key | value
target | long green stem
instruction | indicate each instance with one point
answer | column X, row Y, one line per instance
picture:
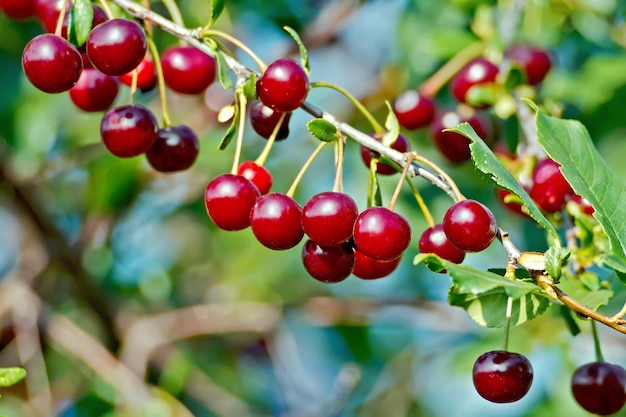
column 304, row 168
column 260, row 160
column 507, row 324
column 378, row 128
column 421, row 203
column 596, row 342
column 174, row 11
column 339, row 156
column 218, row 33
column 154, row 51
column 242, row 102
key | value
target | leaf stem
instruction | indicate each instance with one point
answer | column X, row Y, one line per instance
column 307, row 164
column 377, row 127
column 218, row 33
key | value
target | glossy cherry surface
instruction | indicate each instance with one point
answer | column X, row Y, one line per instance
column 454, row 146
column 117, row 46
column 600, row 387
column 264, row 120
column 51, row 63
column 381, row 234
column 434, row 240
column 228, row 200
column 401, row 144
column 276, row 221
column 128, row 131
column 146, row 75
column 259, row 175
column 94, row 91
column 470, row 226
column 367, row 268
column 18, row 9
column 328, row 218
column 414, row 110
column 284, row 85
column 329, row 264
column 187, row 70
column 477, row 72
column 550, row 190
column 175, row 149
column 502, row 377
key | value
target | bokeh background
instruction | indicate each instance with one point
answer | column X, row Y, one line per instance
column 121, row 298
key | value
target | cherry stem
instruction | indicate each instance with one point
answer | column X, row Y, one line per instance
column 421, row 203
column 339, row 155
column 377, row 127
column 596, row 342
column 507, row 324
column 242, row 102
column 456, row 193
column 307, row 164
column 396, row 193
column 58, row 30
column 174, row 11
column 107, row 9
column 218, row 33
column 435, row 82
column 154, row 51
column 262, row 158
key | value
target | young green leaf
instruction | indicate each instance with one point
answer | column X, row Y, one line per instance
column 569, row 144
column 80, row 20
column 11, row 376
column 217, row 7
column 222, row 70
column 232, row 129
column 249, row 88
column 392, row 125
column 322, row 129
column 304, row 54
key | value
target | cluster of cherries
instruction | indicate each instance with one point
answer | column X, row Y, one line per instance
column 115, row 52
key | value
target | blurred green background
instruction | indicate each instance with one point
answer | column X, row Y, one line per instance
column 120, row 297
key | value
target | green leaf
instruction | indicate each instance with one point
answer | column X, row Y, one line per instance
column 577, row 289
column 322, row 129
column 232, row 129
column 554, row 262
column 392, row 125
column 80, row 20
column 223, row 71
column 249, row 88
column 304, row 54
column 11, row 376
column 486, row 162
column 569, row 144
column 217, row 7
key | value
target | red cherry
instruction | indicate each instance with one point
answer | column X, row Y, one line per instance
column 259, row 175
column 600, row 387
column 128, row 131
column 18, row 9
column 381, row 234
column 470, row 226
column 401, row 144
column 584, row 204
column 550, row 190
column 329, row 264
column 284, row 85
column 187, row 70
column 146, row 75
column 513, row 206
column 414, row 110
column 276, row 221
column 434, row 240
column 229, row 199
column 175, row 149
column 367, row 268
column 117, row 46
column 264, row 120
column 535, row 62
column 477, row 72
column 48, row 11
column 51, row 63
column 328, row 218
column 501, row 376
column 452, row 145
column 94, row 91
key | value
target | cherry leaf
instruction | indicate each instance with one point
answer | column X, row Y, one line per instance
column 232, row 129
column 304, row 54
column 80, row 20
column 217, row 7
column 11, row 376
column 392, row 125
column 222, row 70
column 322, row 130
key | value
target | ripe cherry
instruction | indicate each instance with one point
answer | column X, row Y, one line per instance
column 18, row 9
column 264, row 120
column 328, row 218
column 117, row 46
column 229, row 199
column 502, row 377
column 470, row 226
column 452, row 145
column 414, row 110
column 381, row 234
column 512, row 204
column 187, row 70
column 51, row 63
column 258, row 174
column 401, row 144
column 328, row 264
column 550, row 190
column 48, row 11
column 175, row 149
column 535, row 62
column 477, row 72
column 146, row 75
column 128, row 131
column 367, row 268
column 276, row 221
column 600, row 387
column 434, row 240
column 284, row 85
column 94, row 91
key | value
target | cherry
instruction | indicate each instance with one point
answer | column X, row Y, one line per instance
column 94, row 91
column 600, row 387
column 18, row 9
column 584, row 204
column 258, row 174
column 470, row 226
column 434, row 240
column 479, row 71
column 502, row 377
column 401, row 144
column 534, row 62
column 48, row 11
column 381, row 234
column 550, row 190
column 414, row 110
column 229, row 199
column 454, row 146
column 175, row 149
column 328, row 264
column 146, row 75
column 51, row 63
column 117, row 46
column 513, row 205
column 276, row 221
column 284, row 85
column 128, row 131
column 328, row 218
column 187, row 70
column 264, row 121
column 367, row 268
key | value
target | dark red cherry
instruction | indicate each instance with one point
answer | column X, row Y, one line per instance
column 328, row 218
column 187, row 70
column 276, row 221
column 284, row 85
column 414, row 110
column 367, row 268
column 381, row 234
column 94, row 91
column 452, row 145
column 175, row 149
column 117, row 46
column 229, row 199
column 18, row 9
column 51, row 63
column 535, row 62
column 128, row 131
column 264, row 120
column 401, row 144
column 48, row 11
column 329, row 264
column 477, row 72
column 600, row 387
column 470, row 226
column 550, row 190
column 146, row 75
column 434, row 240
column 501, row 376
column 258, row 174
